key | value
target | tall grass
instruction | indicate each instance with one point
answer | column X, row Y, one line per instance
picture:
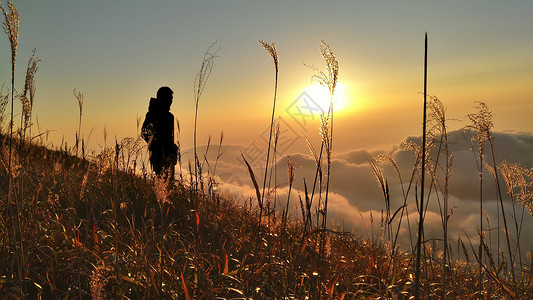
column 271, row 49
column 79, row 98
column 327, row 79
column 28, row 95
column 11, row 27
column 422, row 181
column 437, row 116
column 519, row 183
column 481, row 124
column 199, row 85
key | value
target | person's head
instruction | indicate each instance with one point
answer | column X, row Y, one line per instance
column 165, row 96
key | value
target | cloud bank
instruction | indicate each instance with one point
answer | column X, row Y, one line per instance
column 355, row 195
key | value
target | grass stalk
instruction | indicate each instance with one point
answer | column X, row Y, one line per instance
column 199, row 85
column 327, row 79
column 500, row 201
column 481, row 124
column 273, row 52
column 79, row 98
column 11, row 27
column 422, row 175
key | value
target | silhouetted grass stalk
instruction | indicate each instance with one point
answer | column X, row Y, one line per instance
column 481, row 124
column 291, row 166
column 11, row 27
column 212, row 181
column 422, row 175
column 438, row 116
column 327, row 79
column 273, row 52
column 318, row 177
column 79, row 98
column 199, row 84
column 384, row 187
column 521, row 178
column 494, row 172
column 27, row 97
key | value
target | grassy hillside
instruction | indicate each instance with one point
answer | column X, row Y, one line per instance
column 91, row 228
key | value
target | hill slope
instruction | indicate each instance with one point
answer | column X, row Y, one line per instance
column 90, row 228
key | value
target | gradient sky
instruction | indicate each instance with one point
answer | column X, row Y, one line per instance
column 119, row 52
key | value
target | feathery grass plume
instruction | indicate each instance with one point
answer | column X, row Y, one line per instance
column 273, row 52
column 481, row 124
column 522, row 178
column 291, row 167
column 28, row 95
column 79, row 98
column 200, row 81
column 440, row 173
column 384, row 186
column 519, row 182
column 328, row 78
column 11, row 26
column 388, row 160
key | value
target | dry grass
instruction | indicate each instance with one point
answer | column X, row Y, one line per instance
column 100, row 226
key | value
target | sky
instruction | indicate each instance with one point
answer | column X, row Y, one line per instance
column 118, row 53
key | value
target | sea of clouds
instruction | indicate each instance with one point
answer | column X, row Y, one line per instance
column 355, row 196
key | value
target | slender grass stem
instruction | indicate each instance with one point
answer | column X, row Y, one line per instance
column 273, row 52
column 421, row 206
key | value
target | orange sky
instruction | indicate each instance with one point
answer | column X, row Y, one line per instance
column 120, row 55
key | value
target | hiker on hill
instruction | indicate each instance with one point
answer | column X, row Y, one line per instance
column 158, row 132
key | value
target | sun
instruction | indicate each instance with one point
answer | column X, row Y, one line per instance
column 320, row 95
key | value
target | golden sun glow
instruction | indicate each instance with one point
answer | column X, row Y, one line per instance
column 321, row 96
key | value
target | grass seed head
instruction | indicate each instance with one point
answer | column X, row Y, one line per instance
column 273, row 52
column 481, row 125
column 328, row 78
column 11, row 26
column 519, row 182
column 291, row 166
column 203, row 74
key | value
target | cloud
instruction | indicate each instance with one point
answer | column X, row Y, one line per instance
column 354, row 193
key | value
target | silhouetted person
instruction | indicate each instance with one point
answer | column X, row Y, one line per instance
column 158, row 132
